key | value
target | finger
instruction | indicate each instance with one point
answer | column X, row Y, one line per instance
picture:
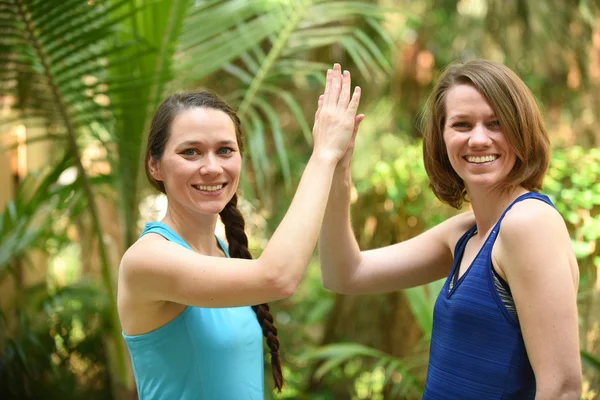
column 319, row 106
column 336, row 86
column 353, row 106
column 327, row 86
column 345, row 93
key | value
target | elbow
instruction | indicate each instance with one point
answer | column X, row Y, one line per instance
column 565, row 388
column 336, row 285
column 332, row 285
column 281, row 285
column 341, row 276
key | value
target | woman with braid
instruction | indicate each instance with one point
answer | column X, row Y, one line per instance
column 191, row 308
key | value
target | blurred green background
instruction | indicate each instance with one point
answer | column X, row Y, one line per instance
column 80, row 81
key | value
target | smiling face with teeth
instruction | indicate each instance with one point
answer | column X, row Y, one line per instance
column 481, row 126
column 201, row 163
column 476, row 146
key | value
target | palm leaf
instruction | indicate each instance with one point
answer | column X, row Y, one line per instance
column 338, row 354
column 28, row 220
column 51, row 44
column 135, row 88
column 590, row 360
column 266, row 45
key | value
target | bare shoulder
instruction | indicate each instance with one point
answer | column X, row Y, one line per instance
column 462, row 221
column 532, row 216
column 453, row 228
column 534, row 239
column 147, row 252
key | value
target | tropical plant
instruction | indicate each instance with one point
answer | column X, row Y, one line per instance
column 92, row 73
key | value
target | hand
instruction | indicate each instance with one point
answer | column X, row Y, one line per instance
column 335, row 119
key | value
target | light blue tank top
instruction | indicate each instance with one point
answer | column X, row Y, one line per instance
column 204, row 353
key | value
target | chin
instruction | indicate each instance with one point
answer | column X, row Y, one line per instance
column 484, row 183
column 210, row 209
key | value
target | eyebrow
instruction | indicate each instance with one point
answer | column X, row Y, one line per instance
column 462, row 116
column 200, row 143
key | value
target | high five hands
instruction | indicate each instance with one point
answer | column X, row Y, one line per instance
column 336, row 122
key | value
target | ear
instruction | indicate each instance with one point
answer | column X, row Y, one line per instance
column 154, row 168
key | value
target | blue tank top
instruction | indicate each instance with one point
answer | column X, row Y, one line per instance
column 477, row 349
column 204, row 353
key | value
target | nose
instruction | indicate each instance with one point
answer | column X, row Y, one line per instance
column 210, row 165
column 480, row 137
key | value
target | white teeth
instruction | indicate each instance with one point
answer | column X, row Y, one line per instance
column 479, row 160
column 212, row 188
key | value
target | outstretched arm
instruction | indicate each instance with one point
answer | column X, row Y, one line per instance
column 345, row 269
column 160, row 270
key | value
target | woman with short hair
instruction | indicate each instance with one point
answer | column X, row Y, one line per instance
column 505, row 321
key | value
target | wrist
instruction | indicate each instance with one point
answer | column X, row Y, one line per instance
column 328, row 159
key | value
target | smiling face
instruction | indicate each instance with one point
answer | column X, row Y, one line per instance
column 477, row 148
column 201, row 162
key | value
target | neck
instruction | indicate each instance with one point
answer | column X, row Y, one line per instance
column 489, row 204
column 197, row 230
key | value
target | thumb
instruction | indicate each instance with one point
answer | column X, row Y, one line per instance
column 357, row 120
column 319, row 106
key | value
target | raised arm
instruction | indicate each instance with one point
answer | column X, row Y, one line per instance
column 169, row 272
column 534, row 252
column 345, row 269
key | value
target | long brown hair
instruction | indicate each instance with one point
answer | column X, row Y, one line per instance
column 230, row 215
column 520, row 120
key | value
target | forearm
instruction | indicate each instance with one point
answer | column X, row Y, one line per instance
column 290, row 249
column 338, row 250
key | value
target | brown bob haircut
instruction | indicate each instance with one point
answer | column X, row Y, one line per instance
column 520, row 121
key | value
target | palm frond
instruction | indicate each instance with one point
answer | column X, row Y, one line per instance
column 28, row 220
column 136, row 85
column 592, row 361
column 421, row 301
column 266, row 46
column 336, row 355
column 57, row 43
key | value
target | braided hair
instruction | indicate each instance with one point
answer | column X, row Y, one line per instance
column 230, row 215
column 238, row 248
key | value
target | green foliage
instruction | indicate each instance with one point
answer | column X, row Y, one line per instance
column 94, row 72
column 395, row 189
column 57, row 349
column 590, row 360
column 386, row 369
column 31, row 218
column 81, row 73
column 573, row 184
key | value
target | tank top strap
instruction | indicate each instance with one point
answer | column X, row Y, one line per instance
column 164, row 231
column 172, row 236
column 463, row 240
column 524, row 196
column 223, row 246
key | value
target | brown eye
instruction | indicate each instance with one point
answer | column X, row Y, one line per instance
column 460, row 125
column 495, row 124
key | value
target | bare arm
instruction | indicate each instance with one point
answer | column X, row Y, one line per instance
column 345, row 269
column 534, row 252
column 161, row 270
